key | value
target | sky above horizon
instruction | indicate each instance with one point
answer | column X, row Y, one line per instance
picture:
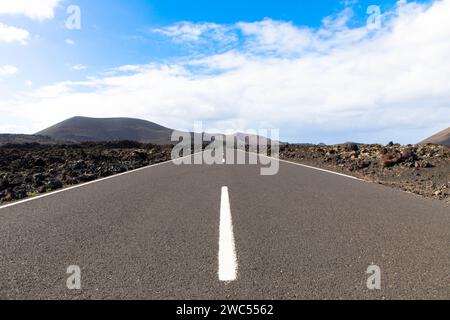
column 319, row 71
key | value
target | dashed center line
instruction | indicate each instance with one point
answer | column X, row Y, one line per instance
column 227, row 250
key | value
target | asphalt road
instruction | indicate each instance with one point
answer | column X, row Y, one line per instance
column 154, row 234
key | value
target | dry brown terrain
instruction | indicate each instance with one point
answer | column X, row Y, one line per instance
column 420, row 169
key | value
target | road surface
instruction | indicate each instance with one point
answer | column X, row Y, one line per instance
column 226, row 232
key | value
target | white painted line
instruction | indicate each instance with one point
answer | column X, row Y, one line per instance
column 227, row 250
column 323, row 170
column 88, row 183
column 310, row 167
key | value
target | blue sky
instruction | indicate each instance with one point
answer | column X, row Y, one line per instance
column 116, row 32
column 176, row 62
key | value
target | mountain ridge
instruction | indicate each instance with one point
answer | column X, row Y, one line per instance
column 85, row 129
column 442, row 137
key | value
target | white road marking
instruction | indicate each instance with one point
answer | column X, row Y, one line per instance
column 227, row 250
column 323, row 170
column 91, row 182
column 309, row 167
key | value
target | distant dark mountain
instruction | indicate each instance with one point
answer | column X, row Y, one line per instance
column 442, row 137
column 82, row 129
column 25, row 138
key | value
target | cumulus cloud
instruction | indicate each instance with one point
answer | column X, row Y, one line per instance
column 287, row 40
column 279, row 36
column 187, row 31
column 128, row 68
column 190, row 33
column 349, row 2
column 78, row 67
column 330, row 84
column 11, row 34
column 7, row 70
column 33, row 9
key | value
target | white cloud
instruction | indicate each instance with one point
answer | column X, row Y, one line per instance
column 279, row 36
column 285, row 39
column 330, row 84
column 128, row 68
column 78, row 67
column 70, row 42
column 267, row 36
column 339, row 21
column 6, row 71
column 349, row 2
column 10, row 34
column 188, row 32
column 33, row 9
column 225, row 61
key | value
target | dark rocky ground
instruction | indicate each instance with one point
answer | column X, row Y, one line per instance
column 32, row 169
column 420, row 169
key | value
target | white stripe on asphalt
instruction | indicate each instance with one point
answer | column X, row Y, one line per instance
column 306, row 166
column 227, row 250
column 91, row 182
column 323, row 170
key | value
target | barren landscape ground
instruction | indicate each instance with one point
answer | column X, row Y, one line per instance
column 31, row 169
column 420, row 169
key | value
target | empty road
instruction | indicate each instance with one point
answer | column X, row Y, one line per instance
column 226, row 232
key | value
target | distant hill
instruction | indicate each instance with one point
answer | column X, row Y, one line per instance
column 83, row 129
column 442, row 137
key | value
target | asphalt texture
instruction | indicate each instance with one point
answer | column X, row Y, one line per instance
column 154, row 234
